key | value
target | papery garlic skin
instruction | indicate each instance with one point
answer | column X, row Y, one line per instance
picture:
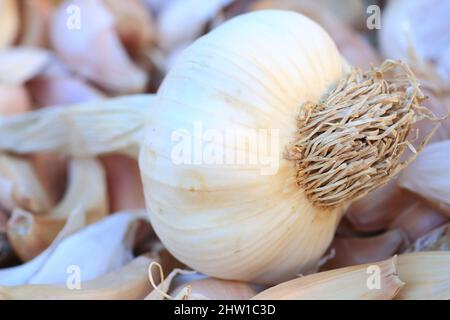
column 230, row 221
column 422, row 26
column 429, row 175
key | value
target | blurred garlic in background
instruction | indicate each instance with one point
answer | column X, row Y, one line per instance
column 336, row 18
column 429, row 175
column 92, row 47
column 215, row 289
column 182, row 21
column 421, row 26
column 359, row 250
column 9, row 22
column 31, row 234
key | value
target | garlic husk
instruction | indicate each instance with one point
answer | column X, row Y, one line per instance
column 436, row 240
column 90, row 128
column 401, row 32
column 129, row 282
column 359, row 250
column 23, row 273
column 355, row 48
column 20, row 187
column 9, row 22
column 13, row 99
column 18, row 65
column 216, row 289
column 350, row 283
column 109, row 242
column 429, row 175
column 124, row 183
column 418, row 219
column 30, row 234
column 426, row 276
column 108, row 63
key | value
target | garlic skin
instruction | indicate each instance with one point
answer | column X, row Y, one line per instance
column 9, row 22
column 429, row 175
column 429, row 38
column 232, row 222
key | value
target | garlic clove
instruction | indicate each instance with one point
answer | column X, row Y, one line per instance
column 181, row 22
column 57, row 90
column 429, row 175
column 108, row 243
column 339, row 284
column 35, row 16
column 418, row 220
column 14, row 99
column 20, row 187
column 426, row 276
column 18, row 65
column 31, row 234
column 216, row 289
column 51, row 170
column 108, row 63
column 129, row 282
column 9, row 22
column 436, row 240
column 23, row 273
column 377, row 210
column 352, row 251
column 400, row 31
column 124, row 183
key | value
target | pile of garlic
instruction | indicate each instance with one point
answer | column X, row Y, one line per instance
column 350, row 172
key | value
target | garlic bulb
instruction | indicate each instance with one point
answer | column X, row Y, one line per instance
column 304, row 135
column 247, row 222
column 429, row 39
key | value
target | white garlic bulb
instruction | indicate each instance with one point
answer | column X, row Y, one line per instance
column 232, row 221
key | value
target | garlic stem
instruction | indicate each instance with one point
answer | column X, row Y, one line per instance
column 91, row 128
